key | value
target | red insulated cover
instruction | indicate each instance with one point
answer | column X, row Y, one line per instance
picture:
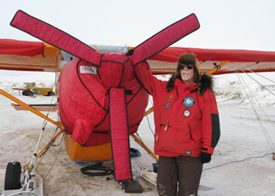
column 165, row 38
column 120, row 134
column 55, row 37
column 25, row 48
column 83, row 98
column 172, row 54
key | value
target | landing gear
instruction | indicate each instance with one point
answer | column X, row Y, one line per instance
column 18, row 183
column 13, row 175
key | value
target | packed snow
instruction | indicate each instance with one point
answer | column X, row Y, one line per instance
column 242, row 163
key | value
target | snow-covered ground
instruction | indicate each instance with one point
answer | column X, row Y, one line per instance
column 238, row 166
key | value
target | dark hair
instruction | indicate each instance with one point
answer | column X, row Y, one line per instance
column 186, row 58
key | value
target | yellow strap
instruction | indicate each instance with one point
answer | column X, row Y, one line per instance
column 216, row 68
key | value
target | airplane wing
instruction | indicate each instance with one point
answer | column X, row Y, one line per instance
column 39, row 56
column 219, row 61
column 29, row 56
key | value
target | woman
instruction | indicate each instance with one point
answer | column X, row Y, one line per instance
column 186, row 125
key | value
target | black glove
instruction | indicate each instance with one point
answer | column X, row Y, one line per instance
column 205, row 157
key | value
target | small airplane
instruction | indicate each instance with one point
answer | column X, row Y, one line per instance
column 98, row 90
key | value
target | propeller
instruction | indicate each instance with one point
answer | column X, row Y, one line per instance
column 55, row 37
column 164, row 39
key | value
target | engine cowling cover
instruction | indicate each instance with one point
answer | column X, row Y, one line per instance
column 83, row 97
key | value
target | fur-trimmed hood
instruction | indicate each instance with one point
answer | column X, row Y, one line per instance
column 206, row 82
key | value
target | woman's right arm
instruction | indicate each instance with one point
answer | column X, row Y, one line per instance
column 145, row 77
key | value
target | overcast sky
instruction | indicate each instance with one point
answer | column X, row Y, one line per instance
column 226, row 24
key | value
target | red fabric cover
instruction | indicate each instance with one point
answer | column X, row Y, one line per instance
column 195, row 131
column 119, row 134
column 165, row 38
column 25, row 48
column 85, row 96
column 173, row 53
column 82, row 130
column 55, row 37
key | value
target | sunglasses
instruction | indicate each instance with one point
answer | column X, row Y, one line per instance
column 182, row 66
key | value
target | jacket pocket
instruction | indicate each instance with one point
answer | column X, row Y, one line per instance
column 164, row 139
column 172, row 139
column 182, row 134
column 196, row 131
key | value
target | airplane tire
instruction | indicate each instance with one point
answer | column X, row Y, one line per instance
column 12, row 178
column 27, row 93
column 51, row 93
column 90, row 171
column 30, row 93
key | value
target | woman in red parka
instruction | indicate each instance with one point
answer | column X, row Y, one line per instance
column 186, row 125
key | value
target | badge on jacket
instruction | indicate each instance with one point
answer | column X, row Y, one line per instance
column 167, row 105
column 187, row 152
column 170, row 96
column 186, row 113
column 188, row 102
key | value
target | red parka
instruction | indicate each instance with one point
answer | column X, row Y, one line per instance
column 186, row 123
